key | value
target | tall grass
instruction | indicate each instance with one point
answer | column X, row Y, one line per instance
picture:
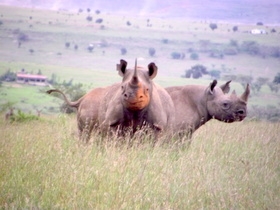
column 227, row 166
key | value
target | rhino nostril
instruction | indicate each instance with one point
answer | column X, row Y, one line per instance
column 125, row 95
column 141, row 96
column 241, row 111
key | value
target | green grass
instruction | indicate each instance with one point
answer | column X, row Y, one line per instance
column 227, row 166
column 49, row 30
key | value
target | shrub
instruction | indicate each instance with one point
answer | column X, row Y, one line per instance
column 22, row 117
column 213, row 26
column 67, row 44
column 250, row 47
column 196, row 71
column 194, row 56
column 90, row 48
column 123, row 51
column 99, row 20
column 152, row 51
column 89, row 18
column 8, row 76
column 215, row 74
column 176, row 55
column 276, row 79
column 235, row 28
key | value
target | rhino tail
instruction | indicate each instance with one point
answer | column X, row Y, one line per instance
column 70, row 103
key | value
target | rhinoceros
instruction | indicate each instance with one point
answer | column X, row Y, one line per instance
column 136, row 102
column 87, row 110
column 197, row 104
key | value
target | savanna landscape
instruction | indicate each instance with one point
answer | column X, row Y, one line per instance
column 43, row 165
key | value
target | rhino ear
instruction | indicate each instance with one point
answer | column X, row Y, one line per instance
column 121, row 67
column 152, row 70
column 212, row 86
column 225, row 87
column 246, row 94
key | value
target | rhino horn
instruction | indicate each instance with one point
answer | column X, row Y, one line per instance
column 233, row 93
column 246, row 93
column 225, row 87
column 134, row 81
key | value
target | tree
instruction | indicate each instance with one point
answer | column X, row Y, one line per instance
column 235, row 28
column 196, row 71
column 90, row 48
column 259, row 24
column 39, row 72
column 152, row 51
column 67, row 44
column 213, row 26
column 194, row 56
column 123, row 51
column 277, row 78
column 31, row 51
column 128, row 23
column 99, row 20
column 89, row 18
column 215, row 74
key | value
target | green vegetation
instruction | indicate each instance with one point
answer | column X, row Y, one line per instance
column 44, row 166
column 67, row 45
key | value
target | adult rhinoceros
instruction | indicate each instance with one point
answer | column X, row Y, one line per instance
column 136, row 102
column 197, row 104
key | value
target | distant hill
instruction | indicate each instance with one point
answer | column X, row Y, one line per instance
column 240, row 11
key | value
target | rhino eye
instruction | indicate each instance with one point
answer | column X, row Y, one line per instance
column 226, row 105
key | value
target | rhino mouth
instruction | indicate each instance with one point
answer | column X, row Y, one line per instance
column 135, row 105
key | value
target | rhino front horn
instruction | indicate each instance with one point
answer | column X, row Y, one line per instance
column 246, row 93
column 134, row 80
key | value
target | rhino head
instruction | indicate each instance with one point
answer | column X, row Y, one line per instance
column 136, row 85
column 226, row 107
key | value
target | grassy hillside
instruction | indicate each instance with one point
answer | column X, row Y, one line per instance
column 46, row 33
column 227, row 166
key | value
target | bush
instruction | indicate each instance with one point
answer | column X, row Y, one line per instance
column 276, row 79
column 8, row 76
column 235, row 28
column 99, row 20
column 213, row 26
column 152, row 52
column 22, row 117
column 269, row 113
column 250, row 47
column 196, row 71
column 176, row 55
column 67, row 44
column 123, row 51
column 194, row 56
column 89, row 18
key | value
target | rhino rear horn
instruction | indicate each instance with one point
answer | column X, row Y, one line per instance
column 121, row 67
column 152, row 70
column 225, row 87
column 246, row 93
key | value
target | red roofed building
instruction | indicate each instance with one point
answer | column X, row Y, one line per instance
column 32, row 79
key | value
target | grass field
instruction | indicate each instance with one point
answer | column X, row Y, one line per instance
column 48, row 31
column 227, row 166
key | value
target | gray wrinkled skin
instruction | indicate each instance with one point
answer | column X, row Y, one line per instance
column 197, row 104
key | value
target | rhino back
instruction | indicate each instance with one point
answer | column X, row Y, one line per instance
column 189, row 106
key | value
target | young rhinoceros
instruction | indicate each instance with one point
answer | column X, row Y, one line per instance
column 197, row 104
column 87, row 110
column 136, row 103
